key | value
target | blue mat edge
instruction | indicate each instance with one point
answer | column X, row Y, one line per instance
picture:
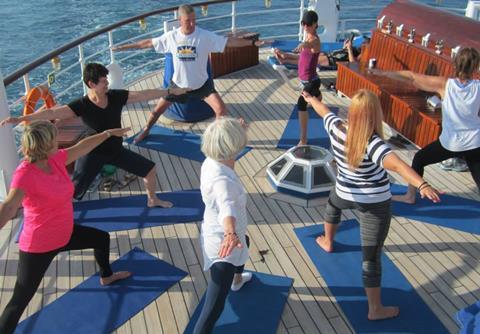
column 180, row 272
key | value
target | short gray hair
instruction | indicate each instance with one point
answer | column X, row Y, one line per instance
column 224, row 139
column 185, row 10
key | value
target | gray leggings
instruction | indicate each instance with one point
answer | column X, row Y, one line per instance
column 374, row 224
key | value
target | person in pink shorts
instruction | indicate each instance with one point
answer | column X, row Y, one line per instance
column 42, row 185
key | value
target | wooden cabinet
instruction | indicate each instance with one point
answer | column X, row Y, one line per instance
column 234, row 59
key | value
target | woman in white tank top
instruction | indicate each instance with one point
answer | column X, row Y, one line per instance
column 460, row 135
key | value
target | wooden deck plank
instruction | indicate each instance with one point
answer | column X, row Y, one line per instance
column 441, row 264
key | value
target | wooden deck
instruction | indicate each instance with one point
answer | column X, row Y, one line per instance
column 442, row 264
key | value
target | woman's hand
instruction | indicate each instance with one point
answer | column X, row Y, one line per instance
column 10, row 120
column 307, row 97
column 431, row 193
column 118, row 132
column 229, row 243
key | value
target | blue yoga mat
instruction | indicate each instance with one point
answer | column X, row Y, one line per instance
column 256, row 308
column 342, row 271
column 131, row 212
column 317, row 135
column 453, row 212
column 175, row 142
column 469, row 319
column 92, row 308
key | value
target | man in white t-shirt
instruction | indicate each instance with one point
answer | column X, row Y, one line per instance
column 190, row 47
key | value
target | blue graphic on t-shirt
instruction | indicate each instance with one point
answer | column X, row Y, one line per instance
column 187, row 52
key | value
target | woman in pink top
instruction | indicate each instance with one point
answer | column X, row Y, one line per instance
column 307, row 56
column 42, row 185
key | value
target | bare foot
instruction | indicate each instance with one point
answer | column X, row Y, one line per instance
column 155, row 202
column 404, row 198
column 385, row 312
column 279, row 55
column 302, row 142
column 324, row 243
column 141, row 136
column 119, row 275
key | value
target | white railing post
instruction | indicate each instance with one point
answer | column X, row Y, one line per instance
column 234, row 17
column 9, row 160
column 81, row 60
column 110, row 46
column 343, row 28
column 26, row 83
column 300, row 29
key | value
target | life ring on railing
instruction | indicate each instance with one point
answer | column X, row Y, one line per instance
column 35, row 94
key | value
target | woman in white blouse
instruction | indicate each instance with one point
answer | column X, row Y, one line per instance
column 223, row 237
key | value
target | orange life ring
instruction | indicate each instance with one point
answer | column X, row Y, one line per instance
column 35, row 94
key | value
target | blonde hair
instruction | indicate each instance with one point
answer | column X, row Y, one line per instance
column 365, row 118
column 185, row 10
column 224, row 139
column 38, row 139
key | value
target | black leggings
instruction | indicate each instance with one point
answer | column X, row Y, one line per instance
column 221, row 278
column 311, row 87
column 435, row 152
column 32, row 267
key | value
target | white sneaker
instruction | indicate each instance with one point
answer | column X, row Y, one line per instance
column 245, row 278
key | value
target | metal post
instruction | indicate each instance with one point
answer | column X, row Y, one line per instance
column 300, row 29
column 26, row 83
column 343, row 28
column 234, row 17
column 110, row 46
column 81, row 60
column 8, row 151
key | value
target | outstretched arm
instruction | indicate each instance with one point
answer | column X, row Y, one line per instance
column 235, row 42
column 86, row 145
column 152, row 94
column 143, row 44
column 8, row 209
column 393, row 163
column 428, row 83
column 319, row 107
column 58, row 112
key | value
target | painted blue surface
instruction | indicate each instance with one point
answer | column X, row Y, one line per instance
column 92, row 308
column 317, row 135
column 342, row 272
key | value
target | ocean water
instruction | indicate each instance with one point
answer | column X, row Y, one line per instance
column 30, row 29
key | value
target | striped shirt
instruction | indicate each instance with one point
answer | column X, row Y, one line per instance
column 368, row 183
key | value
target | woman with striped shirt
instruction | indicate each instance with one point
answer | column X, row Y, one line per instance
column 363, row 185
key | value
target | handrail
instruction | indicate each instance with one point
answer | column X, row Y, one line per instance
column 39, row 61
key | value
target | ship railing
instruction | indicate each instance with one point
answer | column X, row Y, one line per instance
column 134, row 70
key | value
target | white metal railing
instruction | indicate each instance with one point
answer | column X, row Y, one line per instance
column 233, row 15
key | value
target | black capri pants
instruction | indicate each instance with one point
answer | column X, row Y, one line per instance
column 435, row 152
column 32, row 267
column 374, row 225
column 221, row 278
column 313, row 88
column 87, row 167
